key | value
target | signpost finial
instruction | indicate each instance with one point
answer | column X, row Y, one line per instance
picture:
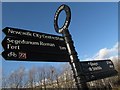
column 67, row 21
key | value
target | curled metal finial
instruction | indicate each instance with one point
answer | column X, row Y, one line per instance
column 67, row 21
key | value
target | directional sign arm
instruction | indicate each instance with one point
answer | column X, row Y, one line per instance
column 34, row 56
column 99, row 69
column 34, row 45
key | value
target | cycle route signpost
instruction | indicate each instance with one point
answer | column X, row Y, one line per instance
column 26, row 45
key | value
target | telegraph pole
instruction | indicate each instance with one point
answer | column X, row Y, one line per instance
column 75, row 63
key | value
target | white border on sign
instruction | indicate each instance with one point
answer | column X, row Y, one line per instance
column 0, row 45
column 60, row 0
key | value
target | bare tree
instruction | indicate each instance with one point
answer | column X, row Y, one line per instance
column 57, row 74
column 4, row 80
column 66, row 78
column 40, row 75
column 43, row 77
column 32, row 77
column 50, row 75
column 16, row 77
column 21, row 74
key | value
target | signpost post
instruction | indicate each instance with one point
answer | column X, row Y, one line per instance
column 75, row 65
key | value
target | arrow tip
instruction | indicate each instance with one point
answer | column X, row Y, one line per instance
column 4, row 43
column 2, row 54
column 5, row 29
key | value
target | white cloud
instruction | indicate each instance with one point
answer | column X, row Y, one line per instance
column 107, row 52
